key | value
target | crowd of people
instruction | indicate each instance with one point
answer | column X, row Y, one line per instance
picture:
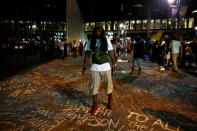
column 171, row 52
column 167, row 52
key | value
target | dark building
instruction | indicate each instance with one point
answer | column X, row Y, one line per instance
column 141, row 17
column 46, row 19
column 32, row 20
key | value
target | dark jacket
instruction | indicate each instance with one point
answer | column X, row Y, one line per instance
column 139, row 50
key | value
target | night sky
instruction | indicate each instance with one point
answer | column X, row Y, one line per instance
column 91, row 9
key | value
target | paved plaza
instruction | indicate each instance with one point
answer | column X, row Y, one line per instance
column 54, row 97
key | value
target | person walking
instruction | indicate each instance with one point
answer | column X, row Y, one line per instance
column 74, row 49
column 129, row 50
column 65, row 49
column 176, row 48
column 138, row 54
column 194, row 50
column 167, row 53
column 61, row 45
column 81, row 48
column 114, row 50
column 118, row 48
column 100, row 47
column 162, row 49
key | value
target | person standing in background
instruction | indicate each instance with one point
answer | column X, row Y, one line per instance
column 81, row 48
column 138, row 54
column 74, row 49
column 176, row 48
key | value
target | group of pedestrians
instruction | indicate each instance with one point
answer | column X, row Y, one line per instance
column 124, row 48
column 99, row 47
column 171, row 52
column 77, row 47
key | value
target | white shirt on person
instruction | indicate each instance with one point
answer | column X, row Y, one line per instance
column 100, row 67
column 61, row 45
column 74, row 45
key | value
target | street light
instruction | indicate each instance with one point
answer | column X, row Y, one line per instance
column 121, row 25
column 195, row 28
column 171, row 1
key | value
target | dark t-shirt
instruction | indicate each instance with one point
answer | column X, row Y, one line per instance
column 194, row 47
column 139, row 50
column 161, row 49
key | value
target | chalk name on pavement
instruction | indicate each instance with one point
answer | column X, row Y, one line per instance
column 44, row 119
column 140, row 122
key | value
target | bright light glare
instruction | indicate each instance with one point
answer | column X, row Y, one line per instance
column 195, row 11
column 170, row 1
column 121, row 25
column 195, row 28
column 34, row 26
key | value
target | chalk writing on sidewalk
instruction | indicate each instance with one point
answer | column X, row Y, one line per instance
column 140, row 121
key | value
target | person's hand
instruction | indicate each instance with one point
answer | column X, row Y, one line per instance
column 84, row 71
column 115, row 68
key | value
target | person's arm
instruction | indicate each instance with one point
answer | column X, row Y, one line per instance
column 163, row 51
column 85, row 62
column 181, row 49
column 170, row 45
column 114, row 62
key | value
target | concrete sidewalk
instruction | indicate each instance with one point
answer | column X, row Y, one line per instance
column 54, row 96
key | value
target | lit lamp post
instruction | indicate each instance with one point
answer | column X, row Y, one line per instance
column 195, row 28
column 171, row 1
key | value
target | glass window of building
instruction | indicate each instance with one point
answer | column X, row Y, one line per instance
column 103, row 24
column 132, row 23
column 181, row 23
column 91, row 27
column 138, row 25
column 115, row 25
column 185, row 23
column 191, row 23
column 86, row 26
column 64, row 28
column 144, row 24
column 6, row 21
column 170, row 23
column 152, row 23
column 164, row 24
column 176, row 23
column 157, row 23
column 109, row 25
column 127, row 25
